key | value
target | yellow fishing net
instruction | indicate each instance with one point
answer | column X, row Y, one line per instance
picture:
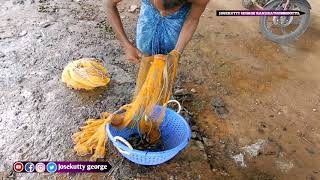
column 153, row 87
column 85, row 74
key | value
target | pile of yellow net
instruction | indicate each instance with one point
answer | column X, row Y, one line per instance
column 85, row 74
column 153, row 87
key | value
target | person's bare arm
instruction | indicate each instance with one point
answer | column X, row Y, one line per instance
column 132, row 53
column 190, row 24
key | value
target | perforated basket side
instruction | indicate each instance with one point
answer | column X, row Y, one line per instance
column 175, row 135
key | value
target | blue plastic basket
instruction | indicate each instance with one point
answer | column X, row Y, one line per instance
column 175, row 133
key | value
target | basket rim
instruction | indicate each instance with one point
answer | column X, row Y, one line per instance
column 176, row 149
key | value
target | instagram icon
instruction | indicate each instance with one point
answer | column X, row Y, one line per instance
column 40, row 167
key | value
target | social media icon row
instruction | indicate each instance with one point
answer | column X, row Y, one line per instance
column 39, row 167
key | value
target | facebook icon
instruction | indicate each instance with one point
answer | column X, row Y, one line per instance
column 29, row 167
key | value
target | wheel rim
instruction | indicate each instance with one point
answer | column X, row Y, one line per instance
column 284, row 25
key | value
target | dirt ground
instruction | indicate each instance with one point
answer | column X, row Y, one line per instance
column 268, row 127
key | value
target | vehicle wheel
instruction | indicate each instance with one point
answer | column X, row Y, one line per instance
column 248, row 4
column 283, row 22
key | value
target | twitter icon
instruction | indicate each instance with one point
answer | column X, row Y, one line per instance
column 51, row 167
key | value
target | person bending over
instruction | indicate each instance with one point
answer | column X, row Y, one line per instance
column 163, row 26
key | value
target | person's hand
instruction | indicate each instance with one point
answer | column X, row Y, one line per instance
column 173, row 56
column 133, row 54
column 175, row 53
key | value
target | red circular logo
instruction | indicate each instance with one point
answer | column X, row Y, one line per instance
column 18, row 166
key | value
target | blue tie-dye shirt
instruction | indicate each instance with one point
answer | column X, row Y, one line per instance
column 158, row 34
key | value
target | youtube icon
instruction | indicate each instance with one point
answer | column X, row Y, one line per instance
column 18, row 167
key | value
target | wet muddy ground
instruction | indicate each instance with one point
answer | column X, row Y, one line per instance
column 253, row 105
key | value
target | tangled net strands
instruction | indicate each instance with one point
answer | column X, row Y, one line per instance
column 153, row 88
column 85, row 74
